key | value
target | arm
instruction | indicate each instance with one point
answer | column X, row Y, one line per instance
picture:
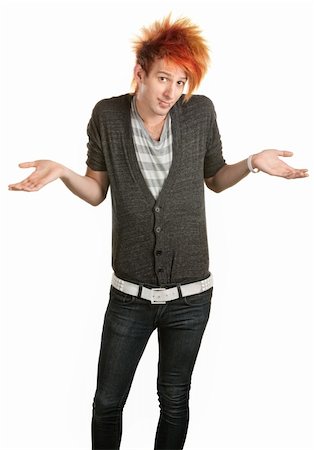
column 267, row 161
column 92, row 187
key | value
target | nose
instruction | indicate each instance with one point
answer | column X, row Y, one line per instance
column 170, row 91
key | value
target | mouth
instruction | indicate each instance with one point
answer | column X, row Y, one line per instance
column 164, row 104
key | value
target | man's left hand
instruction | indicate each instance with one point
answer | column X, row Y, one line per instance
column 268, row 161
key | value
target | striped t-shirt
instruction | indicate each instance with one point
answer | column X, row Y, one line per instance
column 154, row 157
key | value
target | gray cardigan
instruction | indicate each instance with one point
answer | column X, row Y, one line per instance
column 159, row 242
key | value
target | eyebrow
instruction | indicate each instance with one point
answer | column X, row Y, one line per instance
column 169, row 74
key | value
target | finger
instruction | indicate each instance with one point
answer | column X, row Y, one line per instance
column 24, row 165
column 24, row 187
column 18, row 188
column 284, row 153
column 30, row 189
column 15, row 187
column 298, row 173
column 21, row 184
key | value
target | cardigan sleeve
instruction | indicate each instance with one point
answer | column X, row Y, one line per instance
column 214, row 159
column 95, row 155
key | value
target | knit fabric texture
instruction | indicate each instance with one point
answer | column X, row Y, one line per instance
column 162, row 241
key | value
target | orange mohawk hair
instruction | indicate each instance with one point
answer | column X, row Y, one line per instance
column 180, row 43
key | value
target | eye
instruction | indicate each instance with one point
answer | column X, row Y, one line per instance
column 181, row 83
column 162, row 79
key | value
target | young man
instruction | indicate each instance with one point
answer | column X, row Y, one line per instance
column 156, row 148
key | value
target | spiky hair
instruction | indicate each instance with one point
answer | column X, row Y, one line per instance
column 179, row 43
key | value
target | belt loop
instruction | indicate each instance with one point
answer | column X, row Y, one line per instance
column 179, row 290
column 140, row 290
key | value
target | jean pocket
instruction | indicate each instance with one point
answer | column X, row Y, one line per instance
column 121, row 297
column 199, row 299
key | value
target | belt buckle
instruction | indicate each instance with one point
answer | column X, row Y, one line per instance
column 158, row 298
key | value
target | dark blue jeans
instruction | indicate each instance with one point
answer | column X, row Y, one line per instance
column 129, row 322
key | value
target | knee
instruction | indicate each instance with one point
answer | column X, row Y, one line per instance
column 174, row 399
column 105, row 405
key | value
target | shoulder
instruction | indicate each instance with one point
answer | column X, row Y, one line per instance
column 118, row 104
column 199, row 103
column 198, row 108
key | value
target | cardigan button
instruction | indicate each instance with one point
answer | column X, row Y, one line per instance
column 158, row 229
column 157, row 209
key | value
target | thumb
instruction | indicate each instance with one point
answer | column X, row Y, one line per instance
column 285, row 153
column 24, row 165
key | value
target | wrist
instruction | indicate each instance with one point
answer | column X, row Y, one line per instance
column 251, row 163
column 64, row 172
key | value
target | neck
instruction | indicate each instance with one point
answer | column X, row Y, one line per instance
column 150, row 119
column 152, row 122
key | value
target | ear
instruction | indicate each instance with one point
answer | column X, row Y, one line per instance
column 138, row 73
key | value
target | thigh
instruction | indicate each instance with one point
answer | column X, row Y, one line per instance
column 180, row 334
column 126, row 330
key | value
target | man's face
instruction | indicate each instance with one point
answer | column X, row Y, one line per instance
column 159, row 90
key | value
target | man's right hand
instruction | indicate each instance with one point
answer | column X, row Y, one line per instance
column 45, row 172
column 91, row 187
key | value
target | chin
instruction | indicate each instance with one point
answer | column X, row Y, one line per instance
column 163, row 109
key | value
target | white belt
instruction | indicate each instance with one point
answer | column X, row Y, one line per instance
column 162, row 295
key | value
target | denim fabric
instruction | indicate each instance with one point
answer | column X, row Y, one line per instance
column 129, row 322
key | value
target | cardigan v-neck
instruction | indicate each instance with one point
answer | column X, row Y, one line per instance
column 130, row 154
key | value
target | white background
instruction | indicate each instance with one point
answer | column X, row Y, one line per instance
column 252, row 387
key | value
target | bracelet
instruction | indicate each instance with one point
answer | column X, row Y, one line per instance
column 249, row 164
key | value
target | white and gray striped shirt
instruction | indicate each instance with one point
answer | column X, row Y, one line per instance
column 154, row 157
